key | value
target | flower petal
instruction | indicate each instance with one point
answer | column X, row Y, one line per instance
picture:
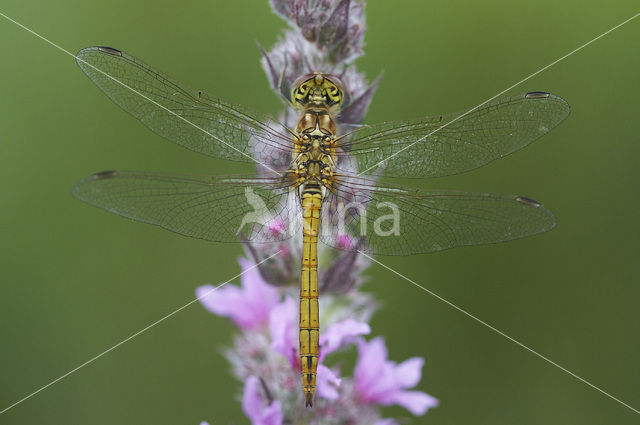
column 339, row 334
column 260, row 296
column 254, row 408
column 372, row 357
column 328, row 383
column 409, row 372
column 249, row 306
column 219, row 301
column 283, row 329
column 251, row 401
column 272, row 415
column 380, row 381
column 416, row 402
column 255, row 286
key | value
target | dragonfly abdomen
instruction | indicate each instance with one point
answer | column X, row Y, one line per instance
column 309, row 318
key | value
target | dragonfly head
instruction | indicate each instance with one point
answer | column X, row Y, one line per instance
column 319, row 89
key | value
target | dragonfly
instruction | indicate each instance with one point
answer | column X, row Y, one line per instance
column 314, row 180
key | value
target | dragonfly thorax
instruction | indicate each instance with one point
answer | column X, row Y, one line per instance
column 314, row 156
column 315, row 163
column 316, row 121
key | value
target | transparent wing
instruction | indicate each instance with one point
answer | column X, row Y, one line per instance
column 429, row 147
column 396, row 221
column 222, row 209
column 179, row 113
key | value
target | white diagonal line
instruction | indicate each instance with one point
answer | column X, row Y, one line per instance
column 499, row 332
column 501, row 93
column 138, row 93
column 91, row 360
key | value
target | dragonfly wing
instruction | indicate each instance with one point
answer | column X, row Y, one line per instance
column 222, row 209
column 396, row 221
column 185, row 116
column 455, row 143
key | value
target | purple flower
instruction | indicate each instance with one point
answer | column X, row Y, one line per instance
column 340, row 334
column 344, row 241
column 326, row 35
column 337, row 26
column 258, row 410
column 277, row 227
column 328, row 383
column 247, row 306
column 282, row 327
column 284, row 340
column 380, row 381
column 284, row 337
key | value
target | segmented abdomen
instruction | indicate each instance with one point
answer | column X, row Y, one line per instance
column 309, row 320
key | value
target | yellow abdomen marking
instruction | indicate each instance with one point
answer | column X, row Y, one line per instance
column 309, row 318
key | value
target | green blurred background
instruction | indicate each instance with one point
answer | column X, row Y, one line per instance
column 76, row 280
